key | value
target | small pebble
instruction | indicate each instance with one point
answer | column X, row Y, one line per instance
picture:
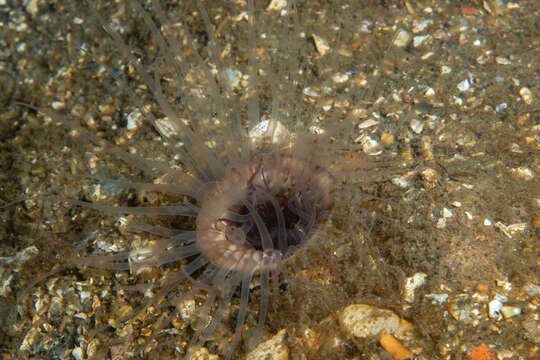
column 437, row 298
column 402, row 38
column 134, row 119
column 416, row 126
column 419, row 40
column 78, row 353
column 276, row 5
column 58, row 105
column 532, row 289
column 412, row 284
column 494, row 308
column 429, row 92
column 401, row 182
column 368, row 123
column 107, row 109
column 32, row 6
column 510, row 311
column 370, row 145
column 502, row 61
column 340, row 78
column 464, row 85
column 447, row 213
column 311, row 92
column 273, row 349
column 362, row 321
column 500, row 107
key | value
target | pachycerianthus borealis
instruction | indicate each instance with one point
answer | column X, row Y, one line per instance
column 255, row 189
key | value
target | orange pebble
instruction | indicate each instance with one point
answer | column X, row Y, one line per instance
column 398, row 351
column 468, row 10
column 482, row 352
column 482, row 288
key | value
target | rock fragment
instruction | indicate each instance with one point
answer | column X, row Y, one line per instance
column 363, row 321
column 272, row 349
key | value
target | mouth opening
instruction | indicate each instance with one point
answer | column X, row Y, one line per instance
column 262, row 212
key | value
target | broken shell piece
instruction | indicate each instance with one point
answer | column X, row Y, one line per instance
column 494, row 308
column 321, row 45
column 510, row 311
column 412, row 284
column 276, row 5
column 269, row 131
column 402, row 38
column 416, row 126
column 370, row 145
column 526, row 95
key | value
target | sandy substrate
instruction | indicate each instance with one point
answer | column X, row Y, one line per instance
column 442, row 231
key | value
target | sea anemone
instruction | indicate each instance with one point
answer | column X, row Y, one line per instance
column 251, row 183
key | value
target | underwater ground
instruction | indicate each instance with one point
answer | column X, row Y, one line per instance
column 443, row 231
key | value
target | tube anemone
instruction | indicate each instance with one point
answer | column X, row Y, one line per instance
column 254, row 190
column 256, row 197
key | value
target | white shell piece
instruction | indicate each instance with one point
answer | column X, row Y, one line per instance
column 269, row 130
column 494, row 308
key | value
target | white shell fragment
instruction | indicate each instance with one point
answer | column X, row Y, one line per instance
column 276, row 5
column 367, row 123
column 429, row 92
column 58, row 105
column 401, row 182
column 32, row 6
column 464, row 85
column 321, row 45
column 412, row 284
column 311, row 92
column 78, row 353
column 526, row 95
column 503, row 228
column 5, row 286
column 340, row 78
column 494, row 309
column 523, row 172
column 402, row 38
column 447, row 213
column 418, row 40
column 502, row 60
column 273, row 132
column 510, row 311
column 437, row 298
column 134, row 119
column 233, row 76
column 416, row 126
column 370, row 145
column 445, row 69
column 165, row 127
